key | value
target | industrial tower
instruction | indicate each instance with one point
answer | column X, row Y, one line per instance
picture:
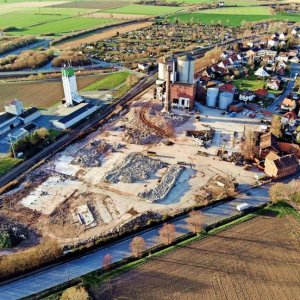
column 70, row 87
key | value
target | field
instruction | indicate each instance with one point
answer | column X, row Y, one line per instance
column 7, row 163
column 108, row 82
column 104, row 4
column 42, row 94
column 144, row 10
column 231, row 20
column 227, row 2
column 239, row 11
column 258, row 259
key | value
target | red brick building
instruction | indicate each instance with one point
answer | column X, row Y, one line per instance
column 183, row 95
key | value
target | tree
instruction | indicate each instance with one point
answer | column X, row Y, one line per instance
column 137, row 246
column 43, row 132
column 107, row 260
column 75, row 293
column 248, row 145
column 276, row 127
column 195, row 221
column 278, row 192
column 167, row 233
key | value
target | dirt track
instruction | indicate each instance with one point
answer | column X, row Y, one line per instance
column 103, row 35
column 259, row 259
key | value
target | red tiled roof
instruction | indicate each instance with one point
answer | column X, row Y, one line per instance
column 261, row 92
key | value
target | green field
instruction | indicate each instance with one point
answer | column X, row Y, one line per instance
column 7, row 163
column 108, row 82
column 65, row 26
column 135, row 9
column 257, row 11
column 227, row 2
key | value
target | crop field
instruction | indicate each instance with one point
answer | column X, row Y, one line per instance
column 228, row 2
column 99, row 5
column 257, row 11
column 135, row 9
column 65, row 26
column 231, row 20
column 42, row 94
column 258, row 259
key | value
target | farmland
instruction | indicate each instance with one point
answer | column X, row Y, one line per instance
column 144, row 10
column 257, row 259
column 258, row 11
column 42, row 94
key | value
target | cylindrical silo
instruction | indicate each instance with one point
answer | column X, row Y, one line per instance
column 225, row 100
column 211, row 97
column 186, row 69
column 162, row 70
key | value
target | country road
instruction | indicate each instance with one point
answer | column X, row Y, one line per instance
column 58, row 274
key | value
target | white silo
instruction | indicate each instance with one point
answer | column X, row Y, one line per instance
column 211, row 97
column 185, row 69
column 225, row 100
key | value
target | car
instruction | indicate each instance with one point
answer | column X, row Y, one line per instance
column 243, row 206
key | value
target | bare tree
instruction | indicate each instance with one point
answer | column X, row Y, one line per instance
column 248, row 145
column 195, row 221
column 107, row 260
column 278, row 192
column 167, row 233
column 137, row 246
column 75, row 293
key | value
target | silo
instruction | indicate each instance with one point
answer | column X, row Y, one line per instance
column 225, row 100
column 162, row 70
column 211, row 97
column 186, row 69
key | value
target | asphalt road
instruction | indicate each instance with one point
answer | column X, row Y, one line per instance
column 64, row 272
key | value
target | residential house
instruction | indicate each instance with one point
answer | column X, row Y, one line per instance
column 288, row 148
column 247, row 96
column 288, row 104
column 278, row 167
column 261, row 93
column 268, row 143
column 273, row 84
column 227, row 87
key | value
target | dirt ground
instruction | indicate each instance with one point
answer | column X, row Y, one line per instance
column 92, row 38
column 258, row 259
column 42, row 94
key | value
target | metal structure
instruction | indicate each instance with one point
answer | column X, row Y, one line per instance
column 185, row 69
column 211, row 97
column 225, row 99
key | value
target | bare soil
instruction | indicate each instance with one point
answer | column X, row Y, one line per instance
column 92, row 38
column 258, row 259
column 42, row 94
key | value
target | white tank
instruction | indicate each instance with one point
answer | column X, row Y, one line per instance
column 185, row 69
column 162, row 70
column 225, row 100
column 211, row 97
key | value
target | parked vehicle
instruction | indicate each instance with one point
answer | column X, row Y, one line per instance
column 243, row 206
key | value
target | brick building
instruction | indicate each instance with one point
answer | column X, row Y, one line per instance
column 183, row 95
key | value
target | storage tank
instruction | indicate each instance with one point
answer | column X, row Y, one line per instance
column 211, row 97
column 185, row 69
column 163, row 70
column 225, row 100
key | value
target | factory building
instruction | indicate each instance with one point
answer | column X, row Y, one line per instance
column 82, row 111
column 181, row 92
column 15, row 114
column 70, row 87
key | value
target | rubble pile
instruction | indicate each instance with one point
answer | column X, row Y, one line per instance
column 177, row 120
column 203, row 137
column 11, row 234
column 135, row 167
column 165, row 185
column 90, row 156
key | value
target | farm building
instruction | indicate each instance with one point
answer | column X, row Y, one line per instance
column 268, row 143
column 8, row 121
column 82, row 111
column 278, row 167
column 288, row 104
column 22, row 132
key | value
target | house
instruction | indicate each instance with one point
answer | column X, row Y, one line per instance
column 273, row 42
column 261, row 93
column 144, row 67
column 273, row 84
column 268, row 143
column 288, row 104
column 288, row 148
column 282, row 36
column 227, row 87
column 289, row 118
column 247, row 96
column 278, row 167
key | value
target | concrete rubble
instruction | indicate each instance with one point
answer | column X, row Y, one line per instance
column 90, row 156
column 163, row 188
column 135, row 167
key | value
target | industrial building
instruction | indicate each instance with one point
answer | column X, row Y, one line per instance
column 81, row 111
column 216, row 98
column 176, row 84
column 15, row 114
column 70, row 87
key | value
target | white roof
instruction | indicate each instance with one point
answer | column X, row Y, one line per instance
column 262, row 73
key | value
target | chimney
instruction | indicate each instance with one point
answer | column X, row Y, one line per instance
column 167, row 103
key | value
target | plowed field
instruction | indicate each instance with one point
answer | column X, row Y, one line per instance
column 259, row 259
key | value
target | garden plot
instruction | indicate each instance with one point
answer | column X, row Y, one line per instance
column 49, row 194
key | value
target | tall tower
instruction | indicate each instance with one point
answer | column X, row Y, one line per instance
column 167, row 102
column 70, row 86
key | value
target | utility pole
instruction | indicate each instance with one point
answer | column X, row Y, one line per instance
column 12, row 145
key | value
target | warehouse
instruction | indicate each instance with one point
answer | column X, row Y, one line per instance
column 8, row 121
column 29, row 115
column 82, row 111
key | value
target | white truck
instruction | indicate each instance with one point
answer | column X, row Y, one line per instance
column 243, row 206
